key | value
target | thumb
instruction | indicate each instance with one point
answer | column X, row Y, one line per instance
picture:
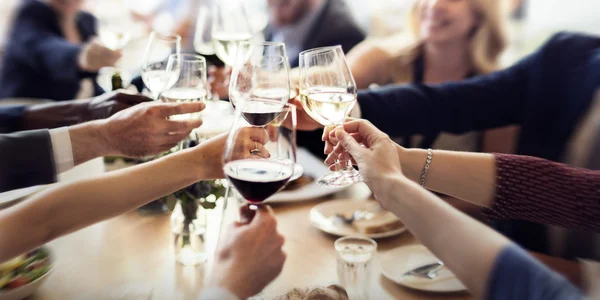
column 348, row 142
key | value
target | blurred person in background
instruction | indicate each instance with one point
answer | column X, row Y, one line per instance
column 447, row 40
column 302, row 25
column 50, row 50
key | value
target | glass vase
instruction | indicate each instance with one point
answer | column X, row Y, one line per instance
column 188, row 224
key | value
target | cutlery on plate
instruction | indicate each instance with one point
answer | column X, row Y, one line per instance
column 358, row 215
column 429, row 271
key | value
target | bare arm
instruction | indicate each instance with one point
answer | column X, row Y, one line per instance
column 68, row 207
column 368, row 65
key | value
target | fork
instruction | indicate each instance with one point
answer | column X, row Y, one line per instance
column 429, row 271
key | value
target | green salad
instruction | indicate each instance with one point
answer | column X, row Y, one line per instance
column 24, row 269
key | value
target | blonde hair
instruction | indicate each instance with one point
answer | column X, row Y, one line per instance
column 486, row 43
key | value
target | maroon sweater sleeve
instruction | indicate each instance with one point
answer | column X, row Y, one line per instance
column 546, row 192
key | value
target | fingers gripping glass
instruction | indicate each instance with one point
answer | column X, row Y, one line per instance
column 259, row 160
column 328, row 94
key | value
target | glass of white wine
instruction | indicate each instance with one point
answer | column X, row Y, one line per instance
column 230, row 26
column 155, row 75
column 190, row 84
column 328, row 94
column 261, row 72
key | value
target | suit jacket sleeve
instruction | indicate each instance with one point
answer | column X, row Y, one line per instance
column 26, row 159
column 41, row 47
column 11, row 118
column 487, row 101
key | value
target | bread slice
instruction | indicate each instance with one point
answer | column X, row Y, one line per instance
column 380, row 223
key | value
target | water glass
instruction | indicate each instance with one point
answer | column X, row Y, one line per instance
column 354, row 256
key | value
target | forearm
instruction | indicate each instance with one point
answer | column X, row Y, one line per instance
column 71, row 206
column 467, row 176
column 452, row 236
column 53, row 115
column 89, row 141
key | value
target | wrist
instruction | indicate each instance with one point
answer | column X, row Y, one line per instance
column 412, row 161
column 89, row 141
column 225, row 278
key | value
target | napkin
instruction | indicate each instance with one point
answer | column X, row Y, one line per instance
column 416, row 260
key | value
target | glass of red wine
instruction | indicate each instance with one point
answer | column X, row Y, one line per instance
column 261, row 71
column 260, row 152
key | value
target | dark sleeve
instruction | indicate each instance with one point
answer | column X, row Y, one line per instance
column 39, row 46
column 26, row 159
column 482, row 102
column 517, row 275
column 11, row 118
column 541, row 191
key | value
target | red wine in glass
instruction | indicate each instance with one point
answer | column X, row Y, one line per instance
column 261, row 113
column 258, row 179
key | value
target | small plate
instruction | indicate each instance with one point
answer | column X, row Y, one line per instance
column 321, row 216
column 13, row 197
column 313, row 167
column 398, row 261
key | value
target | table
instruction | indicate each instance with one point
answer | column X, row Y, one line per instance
column 136, row 249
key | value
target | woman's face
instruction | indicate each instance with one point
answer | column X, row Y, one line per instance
column 66, row 7
column 447, row 20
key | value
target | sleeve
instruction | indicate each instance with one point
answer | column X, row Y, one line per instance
column 62, row 149
column 517, row 275
column 217, row 294
column 483, row 102
column 541, row 191
column 11, row 118
column 43, row 49
column 26, row 159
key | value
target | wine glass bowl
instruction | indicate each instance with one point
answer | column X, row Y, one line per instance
column 190, row 84
column 328, row 95
column 154, row 69
column 230, row 27
column 260, row 160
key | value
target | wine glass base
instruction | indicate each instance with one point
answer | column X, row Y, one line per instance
column 340, row 179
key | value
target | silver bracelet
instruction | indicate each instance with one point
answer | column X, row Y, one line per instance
column 426, row 167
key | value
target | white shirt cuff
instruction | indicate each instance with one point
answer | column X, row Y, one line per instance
column 62, row 149
column 217, row 294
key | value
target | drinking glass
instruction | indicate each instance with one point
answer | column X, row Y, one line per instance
column 112, row 33
column 261, row 71
column 328, row 94
column 154, row 69
column 230, row 26
column 259, row 159
column 354, row 255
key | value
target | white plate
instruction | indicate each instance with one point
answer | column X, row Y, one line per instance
column 322, row 217
column 314, row 167
column 398, row 261
column 12, row 197
column 30, row 288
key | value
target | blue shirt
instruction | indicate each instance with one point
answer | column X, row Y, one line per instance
column 517, row 275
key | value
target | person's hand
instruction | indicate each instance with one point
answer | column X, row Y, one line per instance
column 304, row 121
column 218, row 78
column 249, row 256
column 208, row 156
column 94, row 55
column 372, row 150
column 145, row 129
column 105, row 105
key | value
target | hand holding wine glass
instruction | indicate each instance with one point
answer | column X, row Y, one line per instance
column 328, row 94
column 265, row 169
column 95, row 55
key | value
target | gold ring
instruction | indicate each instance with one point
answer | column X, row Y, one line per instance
column 255, row 150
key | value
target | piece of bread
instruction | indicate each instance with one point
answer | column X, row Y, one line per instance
column 380, row 222
column 332, row 292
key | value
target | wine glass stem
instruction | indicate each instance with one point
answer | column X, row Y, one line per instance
column 348, row 161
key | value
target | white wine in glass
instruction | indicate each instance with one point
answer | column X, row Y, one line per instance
column 155, row 75
column 113, row 39
column 230, row 26
column 328, row 94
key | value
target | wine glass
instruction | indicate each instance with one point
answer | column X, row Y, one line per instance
column 259, row 160
column 230, row 26
column 328, row 94
column 114, row 36
column 190, row 83
column 261, row 71
column 154, row 69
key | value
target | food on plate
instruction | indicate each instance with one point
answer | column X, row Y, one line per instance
column 24, row 269
column 381, row 222
column 332, row 292
column 299, row 183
